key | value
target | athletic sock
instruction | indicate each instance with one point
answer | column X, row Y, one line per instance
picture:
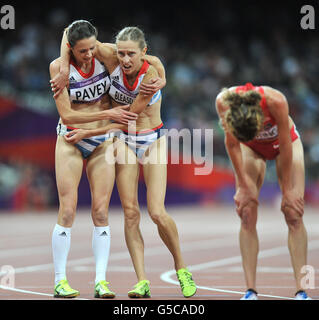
column 101, row 242
column 61, row 240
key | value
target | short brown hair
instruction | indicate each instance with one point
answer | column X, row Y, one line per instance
column 244, row 117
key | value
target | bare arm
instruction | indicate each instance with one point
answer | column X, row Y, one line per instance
column 244, row 194
column 63, row 104
column 155, row 83
column 279, row 109
column 65, row 53
column 61, row 79
column 142, row 100
column 139, row 104
column 157, row 64
column 106, row 53
column 76, row 135
column 69, row 116
column 232, row 145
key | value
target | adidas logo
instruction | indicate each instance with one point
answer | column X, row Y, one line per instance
column 72, row 79
column 117, row 78
column 63, row 234
column 104, row 233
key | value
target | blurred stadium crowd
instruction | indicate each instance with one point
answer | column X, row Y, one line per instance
column 202, row 52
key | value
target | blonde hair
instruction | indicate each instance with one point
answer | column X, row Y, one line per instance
column 244, row 117
column 134, row 34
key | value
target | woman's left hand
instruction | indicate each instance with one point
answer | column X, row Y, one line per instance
column 59, row 82
column 153, row 86
column 75, row 135
column 293, row 200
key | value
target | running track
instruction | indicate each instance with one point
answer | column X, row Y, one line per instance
column 209, row 242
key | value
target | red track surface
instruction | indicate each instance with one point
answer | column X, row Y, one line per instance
column 209, row 241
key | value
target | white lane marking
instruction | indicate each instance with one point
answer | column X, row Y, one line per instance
column 166, row 276
column 207, row 244
column 33, row 292
column 117, row 256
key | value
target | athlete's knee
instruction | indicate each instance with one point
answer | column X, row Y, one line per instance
column 158, row 214
column 248, row 217
column 67, row 214
column 131, row 214
column 100, row 215
column 293, row 218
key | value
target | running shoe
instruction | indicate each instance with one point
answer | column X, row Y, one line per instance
column 250, row 295
column 141, row 290
column 302, row 295
column 63, row 290
column 102, row 290
column 187, row 283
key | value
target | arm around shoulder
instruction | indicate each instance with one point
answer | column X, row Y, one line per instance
column 158, row 81
column 106, row 53
column 54, row 67
column 142, row 100
column 62, row 101
column 158, row 65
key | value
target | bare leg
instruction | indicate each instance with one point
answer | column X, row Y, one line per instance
column 255, row 168
column 68, row 169
column 101, row 175
column 297, row 234
column 155, row 177
column 249, row 245
column 127, row 184
column 297, row 245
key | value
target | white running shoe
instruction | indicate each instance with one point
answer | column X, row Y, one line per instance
column 302, row 295
column 250, row 295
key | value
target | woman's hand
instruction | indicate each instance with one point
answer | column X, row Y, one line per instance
column 153, row 86
column 243, row 197
column 76, row 135
column 120, row 115
column 59, row 82
column 292, row 200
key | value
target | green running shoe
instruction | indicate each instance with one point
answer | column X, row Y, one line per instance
column 187, row 283
column 141, row 290
column 63, row 290
column 102, row 290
